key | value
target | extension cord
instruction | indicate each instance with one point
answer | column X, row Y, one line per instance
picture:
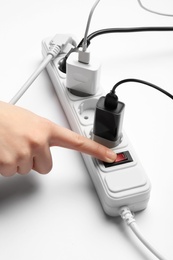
column 123, row 183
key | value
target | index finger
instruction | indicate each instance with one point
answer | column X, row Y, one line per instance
column 66, row 138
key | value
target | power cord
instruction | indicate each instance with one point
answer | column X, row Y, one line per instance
column 127, row 30
column 111, row 98
column 62, row 65
column 24, row 88
column 88, row 24
column 55, row 47
column 152, row 11
column 142, row 82
column 129, row 219
column 83, row 54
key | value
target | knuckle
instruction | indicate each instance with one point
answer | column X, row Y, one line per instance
column 40, row 136
column 23, row 155
column 44, row 170
column 79, row 141
column 7, row 166
column 7, row 162
column 36, row 142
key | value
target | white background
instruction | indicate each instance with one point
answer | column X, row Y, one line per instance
column 59, row 216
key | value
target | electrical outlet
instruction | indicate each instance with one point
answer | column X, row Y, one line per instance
column 122, row 183
column 85, row 110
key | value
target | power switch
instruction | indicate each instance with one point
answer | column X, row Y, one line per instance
column 122, row 157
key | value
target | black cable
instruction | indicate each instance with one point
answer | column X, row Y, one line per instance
column 62, row 65
column 126, row 30
column 142, row 82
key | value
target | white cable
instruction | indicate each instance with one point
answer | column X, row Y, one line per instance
column 88, row 24
column 56, row 45
column 152, row 11
column 31, row 79
column 128, row 217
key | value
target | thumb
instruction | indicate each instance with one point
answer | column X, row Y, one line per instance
column 66, row 138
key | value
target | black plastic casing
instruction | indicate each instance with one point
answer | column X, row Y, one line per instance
column 108, row 123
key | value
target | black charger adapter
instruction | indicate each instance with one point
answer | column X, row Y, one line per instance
column 109, row 113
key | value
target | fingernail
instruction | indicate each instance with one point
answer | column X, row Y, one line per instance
column 110, row 156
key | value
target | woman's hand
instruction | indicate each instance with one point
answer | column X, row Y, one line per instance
column 26, row 138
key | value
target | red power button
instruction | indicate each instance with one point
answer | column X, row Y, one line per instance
column 122, row 158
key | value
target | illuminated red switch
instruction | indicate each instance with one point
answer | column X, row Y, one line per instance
column 121, row 157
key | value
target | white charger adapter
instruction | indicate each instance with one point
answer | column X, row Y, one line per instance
column 82, row 74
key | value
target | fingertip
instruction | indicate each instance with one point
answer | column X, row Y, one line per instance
column 110, row 156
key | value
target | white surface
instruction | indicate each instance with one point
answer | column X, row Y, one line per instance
column 58, row 216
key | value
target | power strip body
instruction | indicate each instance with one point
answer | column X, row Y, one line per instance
column 124, row 183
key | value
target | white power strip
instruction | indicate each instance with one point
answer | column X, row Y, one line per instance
column 123, row 183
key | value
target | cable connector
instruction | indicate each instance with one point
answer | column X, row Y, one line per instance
column 127, row 215
column 84, row 56
column 111, row 101
column 59, row 43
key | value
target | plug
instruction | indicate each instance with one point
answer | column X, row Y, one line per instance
column 82, row 73
column 108, row 121
column 60, row 41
